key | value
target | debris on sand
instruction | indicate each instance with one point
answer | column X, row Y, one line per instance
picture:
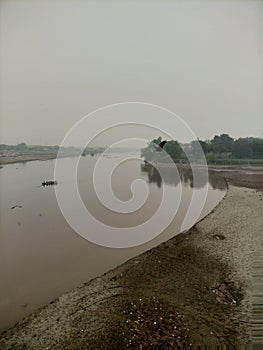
column 222, row 294
column 153, row 321
column 16, row 206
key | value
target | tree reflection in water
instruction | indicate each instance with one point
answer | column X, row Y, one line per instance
column 186, row 177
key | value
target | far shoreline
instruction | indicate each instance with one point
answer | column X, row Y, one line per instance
column 24, row 158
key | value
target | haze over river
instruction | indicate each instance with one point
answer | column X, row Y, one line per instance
column 41, row 256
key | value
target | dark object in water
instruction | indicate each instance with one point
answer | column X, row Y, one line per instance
column 16, row 206
column 49, row 183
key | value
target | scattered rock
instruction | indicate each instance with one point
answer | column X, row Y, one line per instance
column 221, row 237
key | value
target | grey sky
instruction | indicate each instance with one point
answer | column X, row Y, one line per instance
column 62, row 59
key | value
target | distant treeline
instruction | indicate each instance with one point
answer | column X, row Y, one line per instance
column 23, row 147
column 221, row 149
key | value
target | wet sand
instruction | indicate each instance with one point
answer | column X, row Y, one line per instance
column 249, row 176
column 193, row 289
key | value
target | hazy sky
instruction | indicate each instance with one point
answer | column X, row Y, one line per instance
column 61, row 59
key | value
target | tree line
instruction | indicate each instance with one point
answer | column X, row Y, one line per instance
column 23, row 147
column 221, row 149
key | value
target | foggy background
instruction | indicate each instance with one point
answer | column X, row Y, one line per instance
column 60, row 60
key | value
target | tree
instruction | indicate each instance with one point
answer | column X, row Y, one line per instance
column 21, row 146
column 148, row 152
column 197, row 147
column 222, row 143
column 242, row 149
column 257, row 147
column 171, row 147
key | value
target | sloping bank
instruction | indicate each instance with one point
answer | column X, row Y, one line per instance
column 193, row 289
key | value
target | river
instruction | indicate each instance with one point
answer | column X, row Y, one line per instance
column 42, row 257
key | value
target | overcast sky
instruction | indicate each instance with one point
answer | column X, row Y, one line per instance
column 61, row 59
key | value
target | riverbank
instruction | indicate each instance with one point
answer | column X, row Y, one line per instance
column 30, row 156
column 193, row 289
column 27, row 157
column 251, row 177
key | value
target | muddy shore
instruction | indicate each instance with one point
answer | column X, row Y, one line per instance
column 194, row 289
column 248, row 176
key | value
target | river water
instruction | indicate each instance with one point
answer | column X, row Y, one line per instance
column 41, row 256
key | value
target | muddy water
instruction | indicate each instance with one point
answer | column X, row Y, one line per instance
column 41, row 256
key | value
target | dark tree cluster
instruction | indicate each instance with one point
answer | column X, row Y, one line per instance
column 171, row 147
column 224, row 146
column 221, row 148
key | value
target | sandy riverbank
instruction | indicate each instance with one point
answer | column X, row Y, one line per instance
column 249, row 176
column 31, row 156
column 27, row 157
column 193, row 289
